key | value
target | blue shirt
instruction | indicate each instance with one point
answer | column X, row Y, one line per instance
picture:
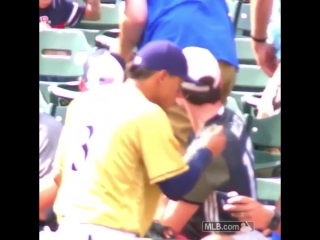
column 62, row 13
column 199, row 23
column 275, row 236
column 274, row 28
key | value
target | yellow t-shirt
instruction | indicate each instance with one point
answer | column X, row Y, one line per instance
column 123, row 145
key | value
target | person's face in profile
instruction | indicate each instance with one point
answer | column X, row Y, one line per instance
column 167, row 88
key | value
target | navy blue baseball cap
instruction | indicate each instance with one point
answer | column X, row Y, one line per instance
column 163, row 55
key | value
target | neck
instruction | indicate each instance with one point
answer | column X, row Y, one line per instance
column 142, row 86
column 199, row 115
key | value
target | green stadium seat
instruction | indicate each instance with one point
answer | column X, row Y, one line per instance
column 43, row 105
column 44, row 89
column 91, row 35
column 63, row 94
column 110, row 17
column 59, row 112
column 71, row 40
column 238, row 96
column 250, row 78
column 244, row 51
column 268, row 189
column 266, row 133
column 243, row 23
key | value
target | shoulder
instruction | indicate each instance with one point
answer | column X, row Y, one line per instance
column 234, row 125
column 152, row 112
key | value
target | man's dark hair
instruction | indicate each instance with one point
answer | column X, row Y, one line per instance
column 138, row 72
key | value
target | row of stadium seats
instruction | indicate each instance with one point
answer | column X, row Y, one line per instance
column 249, row 78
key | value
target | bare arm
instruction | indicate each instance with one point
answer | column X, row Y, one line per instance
column 260, row 17
column 93, row 10
column 48, row 193
column 132, row 26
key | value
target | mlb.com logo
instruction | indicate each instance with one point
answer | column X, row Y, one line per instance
column 227, row 226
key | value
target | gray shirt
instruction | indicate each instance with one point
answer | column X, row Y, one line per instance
column 49, row 133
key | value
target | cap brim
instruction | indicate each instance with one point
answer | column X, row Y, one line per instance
column 190, row 80
column 63, row 93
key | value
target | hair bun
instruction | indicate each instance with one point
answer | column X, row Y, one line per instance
column 207, row 81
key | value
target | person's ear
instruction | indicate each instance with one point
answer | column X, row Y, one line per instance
column 162, row 76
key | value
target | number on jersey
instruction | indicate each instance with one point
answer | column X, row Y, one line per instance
column 85, row 138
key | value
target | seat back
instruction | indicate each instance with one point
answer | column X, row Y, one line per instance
column 265, row 134
column 73, row 42
column 250, row 78
column 244, row 51
column 268, row 189
column 243, row 24
column 266, row 131
column 43, row 105
column 59, row 112
column 91, row 35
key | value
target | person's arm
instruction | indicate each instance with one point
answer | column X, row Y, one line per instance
column 132, row 26
column 260, row 17
column 164, row 164
column 52, row 182
column 277, row 210
column 92, row 10
column 177, row 214
column 73, row 13
column 48, row 140
column 48, row 193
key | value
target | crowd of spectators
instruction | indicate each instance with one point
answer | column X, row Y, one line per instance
column 185, row 77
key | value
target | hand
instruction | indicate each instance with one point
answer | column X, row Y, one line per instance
column 248, row 209
column 126, row 55
column 217, row 141
column 266, row 57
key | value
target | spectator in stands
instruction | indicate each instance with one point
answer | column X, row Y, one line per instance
column 233, row 170
column 95, row 74
column 114, row 73
column 249, row 209
column 203, row 24
column 49, row 133
column 66, row 13
column 266, row 42
column 113, row 140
